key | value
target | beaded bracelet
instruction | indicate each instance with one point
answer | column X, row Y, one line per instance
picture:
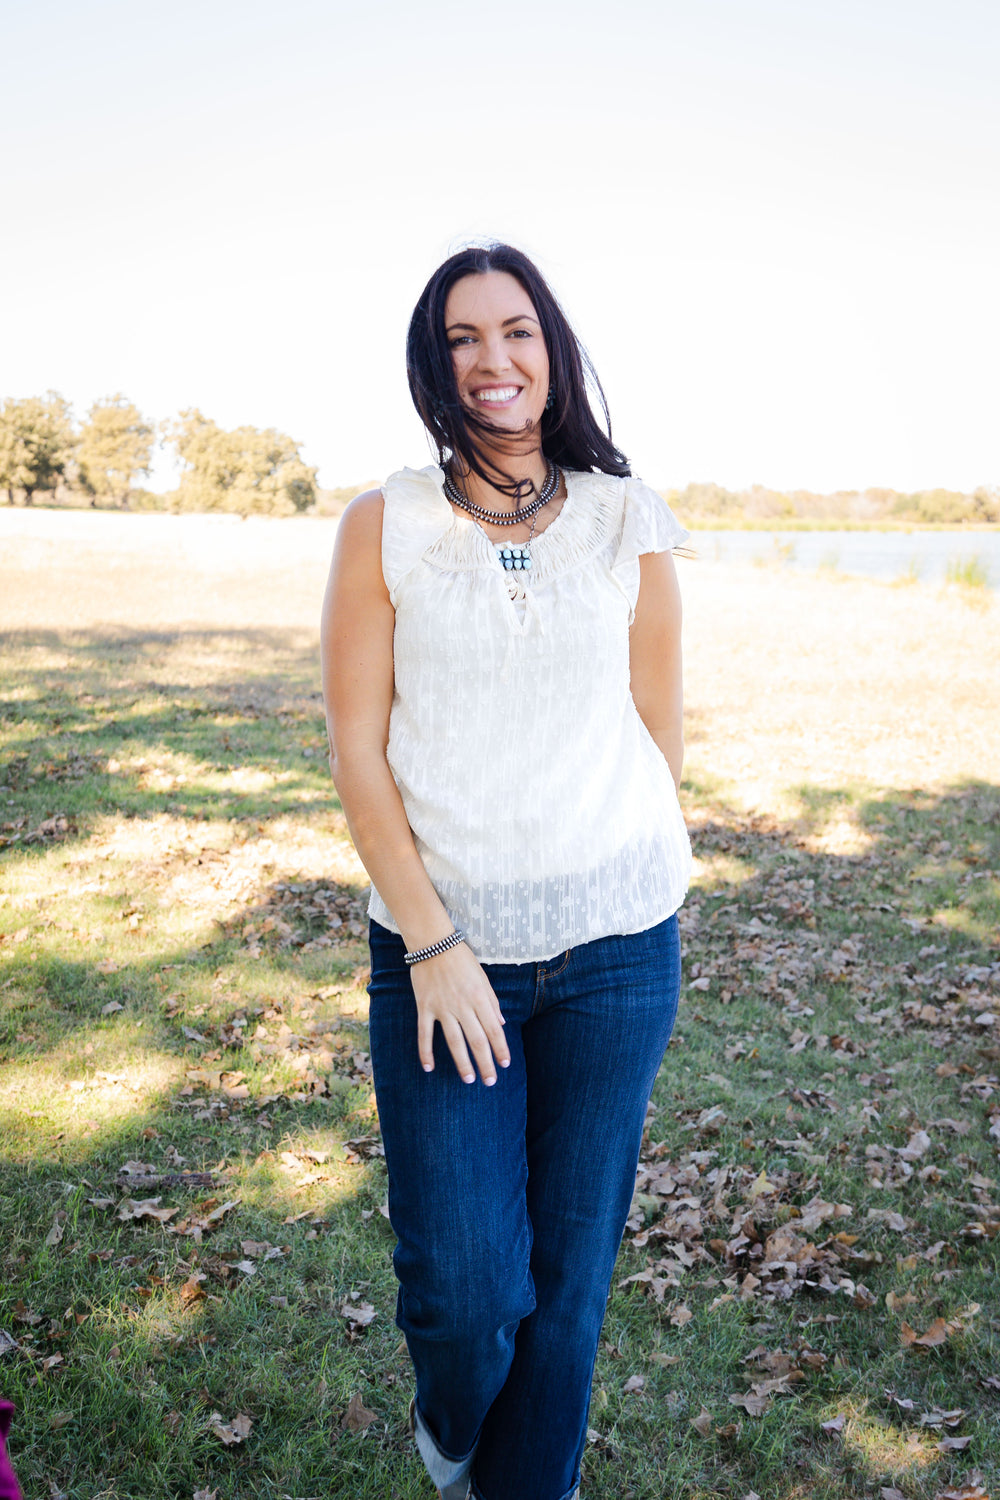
column 418, row 955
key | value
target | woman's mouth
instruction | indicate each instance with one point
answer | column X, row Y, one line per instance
column 497, row 395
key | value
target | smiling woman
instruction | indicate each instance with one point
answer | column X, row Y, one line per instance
column 501, row 657
column 490, row 356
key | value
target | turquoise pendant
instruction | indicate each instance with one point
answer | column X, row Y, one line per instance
column 514, row 559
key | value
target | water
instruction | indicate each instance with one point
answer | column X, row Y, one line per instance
column 922, row 555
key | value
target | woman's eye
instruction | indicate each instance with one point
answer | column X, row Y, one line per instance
column 521, row 333
column 462, row 338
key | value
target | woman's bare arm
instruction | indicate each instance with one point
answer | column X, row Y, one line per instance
column 357, row 630
column 655, row 657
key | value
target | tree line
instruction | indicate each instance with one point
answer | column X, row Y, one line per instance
column 711, row 504
column 254, row 471
column 247, row 471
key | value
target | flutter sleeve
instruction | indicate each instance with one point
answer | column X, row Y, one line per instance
column 648, row 525
column 415, row 514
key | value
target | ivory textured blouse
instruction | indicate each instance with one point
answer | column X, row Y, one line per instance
column 544, row 812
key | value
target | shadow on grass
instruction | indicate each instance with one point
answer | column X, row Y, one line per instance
column 204, row 723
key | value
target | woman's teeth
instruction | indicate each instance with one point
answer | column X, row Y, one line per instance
column 503, row 393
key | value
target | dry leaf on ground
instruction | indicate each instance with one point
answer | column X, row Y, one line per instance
column 357, row 1416
column 937, row 1333
column 58, row 1229
column 232, row 1432
column 358, row 1314
column 938, row 1417
column 144, row 1208
column 204, row 1216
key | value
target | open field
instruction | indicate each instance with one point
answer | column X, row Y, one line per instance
column 196, row 1295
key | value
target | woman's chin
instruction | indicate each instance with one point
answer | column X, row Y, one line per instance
column 515, row 430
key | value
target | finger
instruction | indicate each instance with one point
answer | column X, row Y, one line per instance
column 495, row 1004
column 479, row 1043
column 498, row 1042
column 425, row 1040
column 456, row 1046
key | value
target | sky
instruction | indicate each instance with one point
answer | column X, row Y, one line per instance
column 775, row 224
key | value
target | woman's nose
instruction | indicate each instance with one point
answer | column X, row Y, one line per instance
column 494, row 354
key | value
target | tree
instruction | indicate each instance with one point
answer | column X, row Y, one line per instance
column 116, row 446
column 246, row 471
column 36, row 441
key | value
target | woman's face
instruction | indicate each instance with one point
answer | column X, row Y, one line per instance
column 498, row 351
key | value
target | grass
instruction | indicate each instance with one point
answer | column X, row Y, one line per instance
column 181, row 987
column 968, row 572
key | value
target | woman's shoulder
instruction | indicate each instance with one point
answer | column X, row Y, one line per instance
column 414, row 514
column 416, row 489
column 364, row 508
column 407, row 495
column 360, row 526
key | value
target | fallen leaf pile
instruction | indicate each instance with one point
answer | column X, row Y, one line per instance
column 679, row 1207
column 780, row 955
column 49, row 831
column 313, row 1048
column 775, row 1374
column 307, row 915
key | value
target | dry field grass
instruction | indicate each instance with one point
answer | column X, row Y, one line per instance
column 791, row 677
column 807, row 1302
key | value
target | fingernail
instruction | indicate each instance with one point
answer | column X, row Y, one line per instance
column 489, row 1082
column 428, row 1067
column 468, row 1077
column 505, row 1063
column 503, row 1020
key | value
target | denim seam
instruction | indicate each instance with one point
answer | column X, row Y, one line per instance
column 544, row 974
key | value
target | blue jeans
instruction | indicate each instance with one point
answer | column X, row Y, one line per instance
column 509, row 1202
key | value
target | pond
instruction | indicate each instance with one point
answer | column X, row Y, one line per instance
column 927, row 556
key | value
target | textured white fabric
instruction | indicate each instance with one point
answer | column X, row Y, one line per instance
column 544, row 812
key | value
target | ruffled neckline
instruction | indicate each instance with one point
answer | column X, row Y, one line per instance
column 589, row 516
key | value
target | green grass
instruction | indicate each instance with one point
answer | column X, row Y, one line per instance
column 968, row 572
column 180, row 907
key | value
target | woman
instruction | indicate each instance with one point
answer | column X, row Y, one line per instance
column 502, row 674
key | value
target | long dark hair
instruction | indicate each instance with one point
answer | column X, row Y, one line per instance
column 570, row 434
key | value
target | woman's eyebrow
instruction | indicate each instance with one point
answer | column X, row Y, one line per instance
column 517, row 318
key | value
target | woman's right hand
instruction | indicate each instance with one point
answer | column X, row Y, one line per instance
column 453, row 990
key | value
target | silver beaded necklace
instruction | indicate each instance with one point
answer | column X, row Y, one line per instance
column 513, row 558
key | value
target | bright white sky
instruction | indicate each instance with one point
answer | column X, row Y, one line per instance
column 775, row 223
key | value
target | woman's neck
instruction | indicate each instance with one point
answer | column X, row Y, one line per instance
column 532, row 468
